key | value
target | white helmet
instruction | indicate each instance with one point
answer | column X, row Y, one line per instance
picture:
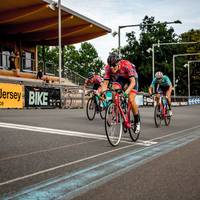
column 159, row 75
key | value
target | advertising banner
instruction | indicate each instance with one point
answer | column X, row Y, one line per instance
column 194, row 100
column 148, row 100
column 11, row 95
column 179, row 101
column 42, row 97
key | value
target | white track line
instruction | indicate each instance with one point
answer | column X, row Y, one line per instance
column 61, row 132
column 44, row 150
column 80, row 160
column 63, row 165
column 175, row 133
column 53, row 131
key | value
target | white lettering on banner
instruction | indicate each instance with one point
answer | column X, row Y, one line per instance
column 38, row 98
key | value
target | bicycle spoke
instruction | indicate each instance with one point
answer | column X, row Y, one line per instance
column 91, row 109
column 113, row 125
column 134, row 136
column 157, row 116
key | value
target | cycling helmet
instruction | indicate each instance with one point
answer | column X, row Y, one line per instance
column 159, row 75
column 90, row 75
column 113, row 59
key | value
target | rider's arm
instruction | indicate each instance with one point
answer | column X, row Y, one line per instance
column 131, row 85
column 104, row 85
column 106, row 80
column 151, row 87
column 85, row 84
column 150, row 90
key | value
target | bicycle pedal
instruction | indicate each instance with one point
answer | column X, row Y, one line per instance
column 125, row 130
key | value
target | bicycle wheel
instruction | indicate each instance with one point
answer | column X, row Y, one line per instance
column 91, row 108
column 68, row 102
column 167, row 117
column 113, row 125
column 103, row 105
column 133, row 135
column 102, row 109
column 157, row 116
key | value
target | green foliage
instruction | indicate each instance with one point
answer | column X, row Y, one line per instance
column 193, row 36
column 139, row 52
column 81, row 61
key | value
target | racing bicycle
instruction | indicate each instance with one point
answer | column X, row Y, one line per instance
column 161, row 111
column 97, row 104
column 119, row 118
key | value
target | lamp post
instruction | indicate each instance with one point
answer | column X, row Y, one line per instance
column 162, row 44
column 59, row 39
column 52, row 6
column 178, row 55
column 135, row 25
column 188, row 65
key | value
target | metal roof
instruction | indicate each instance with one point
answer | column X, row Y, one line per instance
column 35, row 22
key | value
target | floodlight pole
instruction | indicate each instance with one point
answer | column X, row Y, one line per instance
column 142, row 25
column 178, row 55
column 162, row 44
column 188, row 65
column 59, row 40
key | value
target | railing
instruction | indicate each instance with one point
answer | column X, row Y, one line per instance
column 73, row 76
column 72, row 97
column 49, row 68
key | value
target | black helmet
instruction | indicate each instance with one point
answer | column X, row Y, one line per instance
column 90, row 75
column 113, row 59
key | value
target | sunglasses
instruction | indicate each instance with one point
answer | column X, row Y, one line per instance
column 114, row 66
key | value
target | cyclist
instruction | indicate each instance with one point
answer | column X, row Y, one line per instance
column 123, row 72
column 162, row 83
column 94, row 80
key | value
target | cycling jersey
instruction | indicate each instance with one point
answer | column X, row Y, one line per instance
column 163, row 86
column 126, row 71
column 96, row 81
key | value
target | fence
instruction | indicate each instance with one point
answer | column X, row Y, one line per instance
column 72, row 97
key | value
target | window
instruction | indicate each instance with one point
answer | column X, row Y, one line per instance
column 5, row 62
column 27, row 61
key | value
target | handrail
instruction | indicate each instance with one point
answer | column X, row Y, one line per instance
column 73, row 76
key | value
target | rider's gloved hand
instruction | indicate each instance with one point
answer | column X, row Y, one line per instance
column 125, row 95
column 150, row 94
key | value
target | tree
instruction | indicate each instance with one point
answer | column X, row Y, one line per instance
column 136, row 50
column 190, row 36
column 81, row 61
column 89, row 59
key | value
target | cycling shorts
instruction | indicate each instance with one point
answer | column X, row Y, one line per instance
column 124, row 82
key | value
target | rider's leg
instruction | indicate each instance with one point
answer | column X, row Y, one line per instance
column 134, row 107
column 135, row 111
column 168, row 95
column 157, row 98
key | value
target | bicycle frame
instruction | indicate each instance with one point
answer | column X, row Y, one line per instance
column 118, row 119
column 126, row 117
column 99, row 100
column 163, row 106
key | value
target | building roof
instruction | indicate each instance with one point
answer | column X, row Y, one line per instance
column 35, row 22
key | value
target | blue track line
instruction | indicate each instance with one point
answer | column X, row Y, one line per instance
column 74, row 184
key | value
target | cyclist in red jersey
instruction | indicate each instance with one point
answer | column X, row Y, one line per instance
column 94, row 80
column 123, row 72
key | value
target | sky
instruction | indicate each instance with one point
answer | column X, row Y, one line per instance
column 114, row 13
